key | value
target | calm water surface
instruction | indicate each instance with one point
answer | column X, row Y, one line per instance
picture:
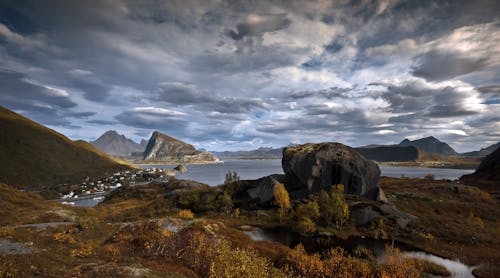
column 214, row 174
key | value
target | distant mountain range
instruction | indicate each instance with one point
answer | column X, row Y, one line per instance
column 483, row 152
column 390, row 153
column 35, row 156
column 260, row 153
column 118, row 145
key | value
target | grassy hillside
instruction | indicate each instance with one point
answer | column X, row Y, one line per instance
column 33, row 155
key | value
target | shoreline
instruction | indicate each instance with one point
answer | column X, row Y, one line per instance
column 173, row 163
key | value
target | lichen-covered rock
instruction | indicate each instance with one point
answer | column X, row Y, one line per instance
column 313, row 167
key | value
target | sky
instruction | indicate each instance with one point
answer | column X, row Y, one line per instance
column 238, row 75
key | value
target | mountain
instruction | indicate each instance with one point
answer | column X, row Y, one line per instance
column 260, row 153
column 33, row 155
column 116, row 144
column 390, row 153
column 144, row 144
column 488, row 172
column 483, row 152
column 431, row 145
column 163, row 148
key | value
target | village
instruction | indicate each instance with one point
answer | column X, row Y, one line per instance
column 96, row 190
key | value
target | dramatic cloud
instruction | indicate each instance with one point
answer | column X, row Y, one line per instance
column 256, row 25
column 441, row 65
column 242, row 74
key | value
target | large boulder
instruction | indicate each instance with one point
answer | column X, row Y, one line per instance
column 263, row 191
column 314, row 167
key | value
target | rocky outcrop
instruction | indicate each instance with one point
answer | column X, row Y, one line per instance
column 488, row 172
column 365, row 215
column 431, row 145
column 313, row 167
column 163, row 148
column 389, row 213
column 116, row 144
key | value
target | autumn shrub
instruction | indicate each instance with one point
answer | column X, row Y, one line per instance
column 475, row 221
column 224, row 202
column 309, row 210
column 239, row 262
column 334, row 262
column 64, row 237
column 112, row 251
column 88, row 222
column 397, row 266
column 363, row 253
column 84, row 250
column 7, row 268
column 475, row 194
column 185, row 214
column 189, row 199
column 305, row 265
column 305, row 226
column 6, row 231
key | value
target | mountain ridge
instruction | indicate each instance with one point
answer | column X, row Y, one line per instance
column 431, row 145
column 483, row 151
column 35, row 156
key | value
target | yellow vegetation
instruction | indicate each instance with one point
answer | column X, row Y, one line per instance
column 281, row 199
column 185, row 214
column 85, row 249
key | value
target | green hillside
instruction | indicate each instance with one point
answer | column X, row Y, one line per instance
column 32, row 155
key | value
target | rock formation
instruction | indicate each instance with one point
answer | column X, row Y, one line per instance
column 313, row 167
column 163, row 148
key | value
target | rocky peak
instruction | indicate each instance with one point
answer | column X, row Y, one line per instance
column 116, row 144
column 162, row 147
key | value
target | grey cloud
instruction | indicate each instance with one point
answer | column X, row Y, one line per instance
column 494, row 89
column 437, row 65
column 187, row 94
column 79, row 115
column 102, row 122
column 258, row 25
column 153, row 118
column 18, row 92
column 419, row 97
